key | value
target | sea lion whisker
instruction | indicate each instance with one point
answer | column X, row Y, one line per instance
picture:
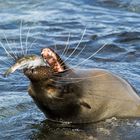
column 53, row 96
column 20, row 32
column 76, row 46
column 13, row 53
column 9, row 64
column 27, row 36
column 77, row 54
column 83, row 78
column 91, row 55
column 66, row 47
column 88, row 57
column 31, row 45
column 55, row 47
column 80, row 79
column 7, row 52
column 67, row 82
column 18, row 55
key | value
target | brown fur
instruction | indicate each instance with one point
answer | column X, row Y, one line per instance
column 82, row 96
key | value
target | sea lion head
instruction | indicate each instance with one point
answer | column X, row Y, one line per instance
column 54, row 66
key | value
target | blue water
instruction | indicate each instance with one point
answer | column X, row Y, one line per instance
column 50, row 23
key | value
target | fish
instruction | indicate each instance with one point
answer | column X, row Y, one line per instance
column 29, row 61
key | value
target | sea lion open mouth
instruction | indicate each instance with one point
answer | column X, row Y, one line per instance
column 53, row 59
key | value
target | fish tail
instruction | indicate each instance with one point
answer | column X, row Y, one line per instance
column 7, row 72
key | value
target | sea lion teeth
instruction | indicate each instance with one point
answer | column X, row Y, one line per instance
column 53, row 60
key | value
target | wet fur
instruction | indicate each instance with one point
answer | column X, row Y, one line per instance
column 89, row 100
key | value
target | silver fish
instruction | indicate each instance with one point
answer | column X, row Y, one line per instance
column 30, row 61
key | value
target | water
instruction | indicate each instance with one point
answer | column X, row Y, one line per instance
column 116, row 23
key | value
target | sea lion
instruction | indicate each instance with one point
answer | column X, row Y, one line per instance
column 80, row 96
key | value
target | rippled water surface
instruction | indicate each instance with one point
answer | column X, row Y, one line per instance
column 50, row 23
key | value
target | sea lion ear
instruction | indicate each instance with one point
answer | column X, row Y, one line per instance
column 84, row 104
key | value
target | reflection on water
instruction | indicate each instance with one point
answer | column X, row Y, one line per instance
column 50, row 23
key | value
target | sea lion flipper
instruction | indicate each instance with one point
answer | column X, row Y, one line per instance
column 83, row 103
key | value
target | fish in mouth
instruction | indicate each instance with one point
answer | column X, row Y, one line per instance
column 29, row 61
